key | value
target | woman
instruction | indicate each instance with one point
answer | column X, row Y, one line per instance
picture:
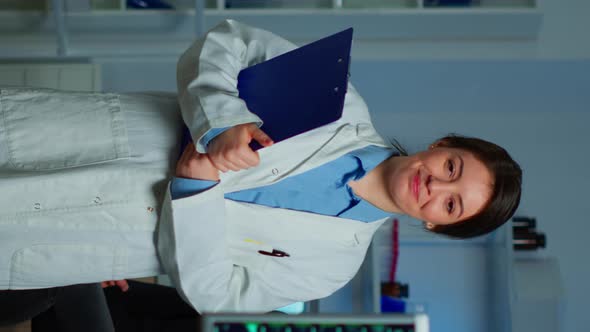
column 255, row 238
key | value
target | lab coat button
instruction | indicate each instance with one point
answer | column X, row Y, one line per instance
column 150, row 209
column 37, row 206
column 275, row 171
column 97, row 200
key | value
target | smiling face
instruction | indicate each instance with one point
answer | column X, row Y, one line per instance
column 440, row 186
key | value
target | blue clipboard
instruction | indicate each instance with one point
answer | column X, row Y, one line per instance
column 299, row 90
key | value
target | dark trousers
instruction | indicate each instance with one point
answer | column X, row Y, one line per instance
column 71, row 308
column 150, row 308
column 144, row 307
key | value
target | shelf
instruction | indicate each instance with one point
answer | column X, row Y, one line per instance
column 230, row 5
column 318, row 4
column 130, row 33
column 94, row 28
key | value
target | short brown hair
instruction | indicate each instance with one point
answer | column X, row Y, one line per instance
column 506, row 189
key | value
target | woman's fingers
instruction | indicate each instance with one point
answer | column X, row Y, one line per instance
column 122, row 284
column 236, row 161
column 261, row 137
column 231, row 150
column 249, row 158
column 194, row 165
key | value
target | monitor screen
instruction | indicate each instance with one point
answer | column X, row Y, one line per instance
column 314, row 323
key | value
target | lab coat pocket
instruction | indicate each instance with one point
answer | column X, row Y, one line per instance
column 51, row 265
column 245, row 253
column 48, row 129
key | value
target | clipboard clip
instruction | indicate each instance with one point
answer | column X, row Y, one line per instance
column 274, row 253
column 348, row 71
column 340, row 60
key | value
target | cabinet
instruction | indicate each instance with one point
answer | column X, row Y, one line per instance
column 527, row 288
column 519, row 291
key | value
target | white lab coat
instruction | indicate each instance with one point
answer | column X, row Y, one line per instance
column 79, row 204
column 209, row 245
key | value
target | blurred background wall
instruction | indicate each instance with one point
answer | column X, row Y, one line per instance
column 530, row 95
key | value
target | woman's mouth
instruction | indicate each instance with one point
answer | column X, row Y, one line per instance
column 416, row 186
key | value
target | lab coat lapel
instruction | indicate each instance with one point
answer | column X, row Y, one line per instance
column 301, row 153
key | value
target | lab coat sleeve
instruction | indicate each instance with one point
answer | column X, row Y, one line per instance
column 207, row 75
column 184, row 187
column 193, row 251
column 210, row 135
column 207, row 78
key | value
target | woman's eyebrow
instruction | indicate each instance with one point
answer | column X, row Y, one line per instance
column 460, row 200
column 460, row 203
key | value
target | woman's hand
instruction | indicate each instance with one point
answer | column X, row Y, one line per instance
column 122, row 284
column 231, row 151
column 194, row 165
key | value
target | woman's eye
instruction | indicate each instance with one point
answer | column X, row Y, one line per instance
column 451, row 168
column 450, row 206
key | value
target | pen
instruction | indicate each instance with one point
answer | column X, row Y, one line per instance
column 274, row 253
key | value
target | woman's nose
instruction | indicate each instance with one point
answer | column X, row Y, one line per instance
column 435, row 185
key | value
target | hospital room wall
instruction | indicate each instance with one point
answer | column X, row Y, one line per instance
column 537, row 109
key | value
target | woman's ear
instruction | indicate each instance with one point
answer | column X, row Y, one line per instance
column 429, row 226
column 438, row 144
